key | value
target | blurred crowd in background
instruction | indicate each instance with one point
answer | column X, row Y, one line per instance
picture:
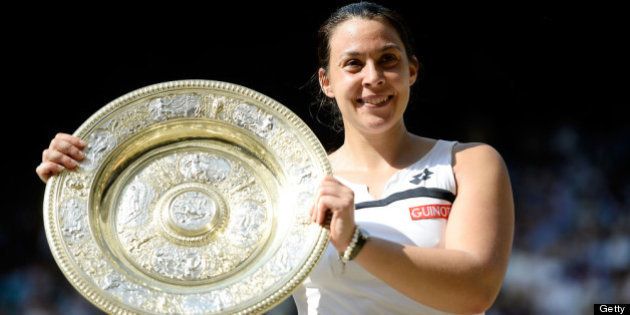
column 572, row 239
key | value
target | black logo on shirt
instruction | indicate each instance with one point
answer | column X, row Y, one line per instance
column 422, row 176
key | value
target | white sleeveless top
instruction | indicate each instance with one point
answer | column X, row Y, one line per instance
column 414, row 211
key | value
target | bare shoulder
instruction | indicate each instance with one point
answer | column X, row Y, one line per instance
column 476, row 157
column 476, row 152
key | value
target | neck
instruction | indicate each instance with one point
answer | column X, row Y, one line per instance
column 376, row 151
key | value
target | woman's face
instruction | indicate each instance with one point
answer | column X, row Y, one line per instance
column 369, row 74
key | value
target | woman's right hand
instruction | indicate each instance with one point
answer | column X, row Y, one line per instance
column 65, row 152
column 334, row 209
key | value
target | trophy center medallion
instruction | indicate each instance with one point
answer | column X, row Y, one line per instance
column 192, row 212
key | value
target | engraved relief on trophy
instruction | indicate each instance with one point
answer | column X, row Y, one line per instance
column 254, row 119
column 204, row 167
column 212, row 203
column 99, row 143
column 192, row 210
column 182, row 105
column 73, row 222
column 134, row 204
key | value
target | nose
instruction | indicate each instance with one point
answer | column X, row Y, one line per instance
column 373, row 75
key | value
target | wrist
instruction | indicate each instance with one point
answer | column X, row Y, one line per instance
column 343, row 248
column 359, row 238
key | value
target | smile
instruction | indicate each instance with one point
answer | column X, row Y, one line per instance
column 374, row 100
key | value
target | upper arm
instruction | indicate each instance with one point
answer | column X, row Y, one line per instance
column 481, row 222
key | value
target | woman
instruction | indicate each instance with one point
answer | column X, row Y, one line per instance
column 439, row 214
column 428, row 249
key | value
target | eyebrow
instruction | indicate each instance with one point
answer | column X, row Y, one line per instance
column 352, row 53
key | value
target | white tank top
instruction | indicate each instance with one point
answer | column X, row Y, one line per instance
column 414, row 211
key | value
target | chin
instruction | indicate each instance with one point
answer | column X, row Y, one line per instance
column 376, row 126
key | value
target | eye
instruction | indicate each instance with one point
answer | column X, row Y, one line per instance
column 389, row 60
column 353, row 64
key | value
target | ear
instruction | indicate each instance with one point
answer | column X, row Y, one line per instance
column 324, row 83
column 414, row 68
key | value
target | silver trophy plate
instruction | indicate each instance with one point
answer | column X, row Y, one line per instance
column 193, row 198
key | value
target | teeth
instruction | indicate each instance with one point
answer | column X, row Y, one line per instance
column 375, row 100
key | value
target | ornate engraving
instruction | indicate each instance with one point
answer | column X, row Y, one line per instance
column 190, row 216
column 204, row 167
column 178, row 264
column 248, row 223
column 291, row 252
column 217, row 105
column 253, row 119
column 300, row 174
column 162, row 174
column 73, row 220
column 192, row 210
column 133, row 209
column 77, row 184
column 89, row 259
column 128, row 122
column 167, row 304
column 99, row 144
column 182, row 105
column 136, row 240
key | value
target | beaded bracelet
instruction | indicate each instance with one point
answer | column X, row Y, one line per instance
column 356, row 244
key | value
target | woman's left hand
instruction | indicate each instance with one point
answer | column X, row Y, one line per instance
column 334, row 208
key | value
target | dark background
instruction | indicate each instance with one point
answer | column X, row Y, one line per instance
column 545, row 85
